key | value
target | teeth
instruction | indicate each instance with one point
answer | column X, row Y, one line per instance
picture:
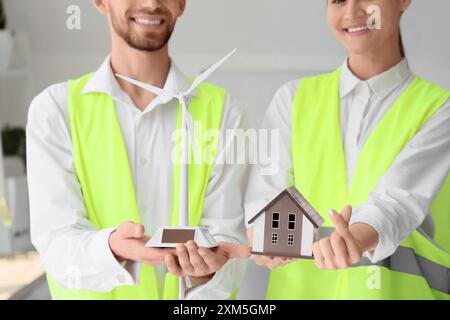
column 148, row 22
column 358, row 29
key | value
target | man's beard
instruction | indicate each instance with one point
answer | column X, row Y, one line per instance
column 148, row 41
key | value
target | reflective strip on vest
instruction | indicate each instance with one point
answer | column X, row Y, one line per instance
column 405, row 260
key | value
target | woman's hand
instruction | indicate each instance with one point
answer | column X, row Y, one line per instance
column 346, row 244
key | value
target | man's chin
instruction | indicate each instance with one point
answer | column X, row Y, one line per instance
column 147, row 47
column 144, row 40
column 148, row 41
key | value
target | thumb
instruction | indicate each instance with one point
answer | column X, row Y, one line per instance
column 347, row 213
column 234, row 250
column 130, row 230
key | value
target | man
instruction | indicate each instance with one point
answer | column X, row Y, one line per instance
column 101, row 173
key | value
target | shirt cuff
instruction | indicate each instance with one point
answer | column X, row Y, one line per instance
column 115, row 274
column 375, row 218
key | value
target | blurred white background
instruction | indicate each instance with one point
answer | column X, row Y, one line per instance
column 278, row 40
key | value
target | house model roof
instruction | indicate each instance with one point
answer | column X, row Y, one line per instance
column 300, row 201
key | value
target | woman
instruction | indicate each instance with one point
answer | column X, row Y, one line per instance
column 372, row 140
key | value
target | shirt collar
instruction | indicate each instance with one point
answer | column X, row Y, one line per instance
column 381, row 85
column 104, row 81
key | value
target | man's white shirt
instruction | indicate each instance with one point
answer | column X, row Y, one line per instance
column 71, row 249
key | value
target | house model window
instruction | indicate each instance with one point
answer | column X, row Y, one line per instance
column 275, row 220
column 286, row 227
column 291, row 221
column 274, row 238
column 290, row 240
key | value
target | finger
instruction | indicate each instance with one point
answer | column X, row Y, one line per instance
column 282, row 261
column 352, row 246
column 159, row 253
column 274, row 263
column 183, row 259
column 250, row 236
column 340, row 251
column 260, row 260
column 354, row 251
column 197, row 261
column 341, row 225
column 271, row 264
column 130, row 229
column 327, row 252
column 154, row 256
column 211, row 259
column 234, row 250
column 318, row 256
column 172, row 265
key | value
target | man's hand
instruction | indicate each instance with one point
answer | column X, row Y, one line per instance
column 346, row 244
column 269, row 262
column 128, row 243
column 200, row 264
